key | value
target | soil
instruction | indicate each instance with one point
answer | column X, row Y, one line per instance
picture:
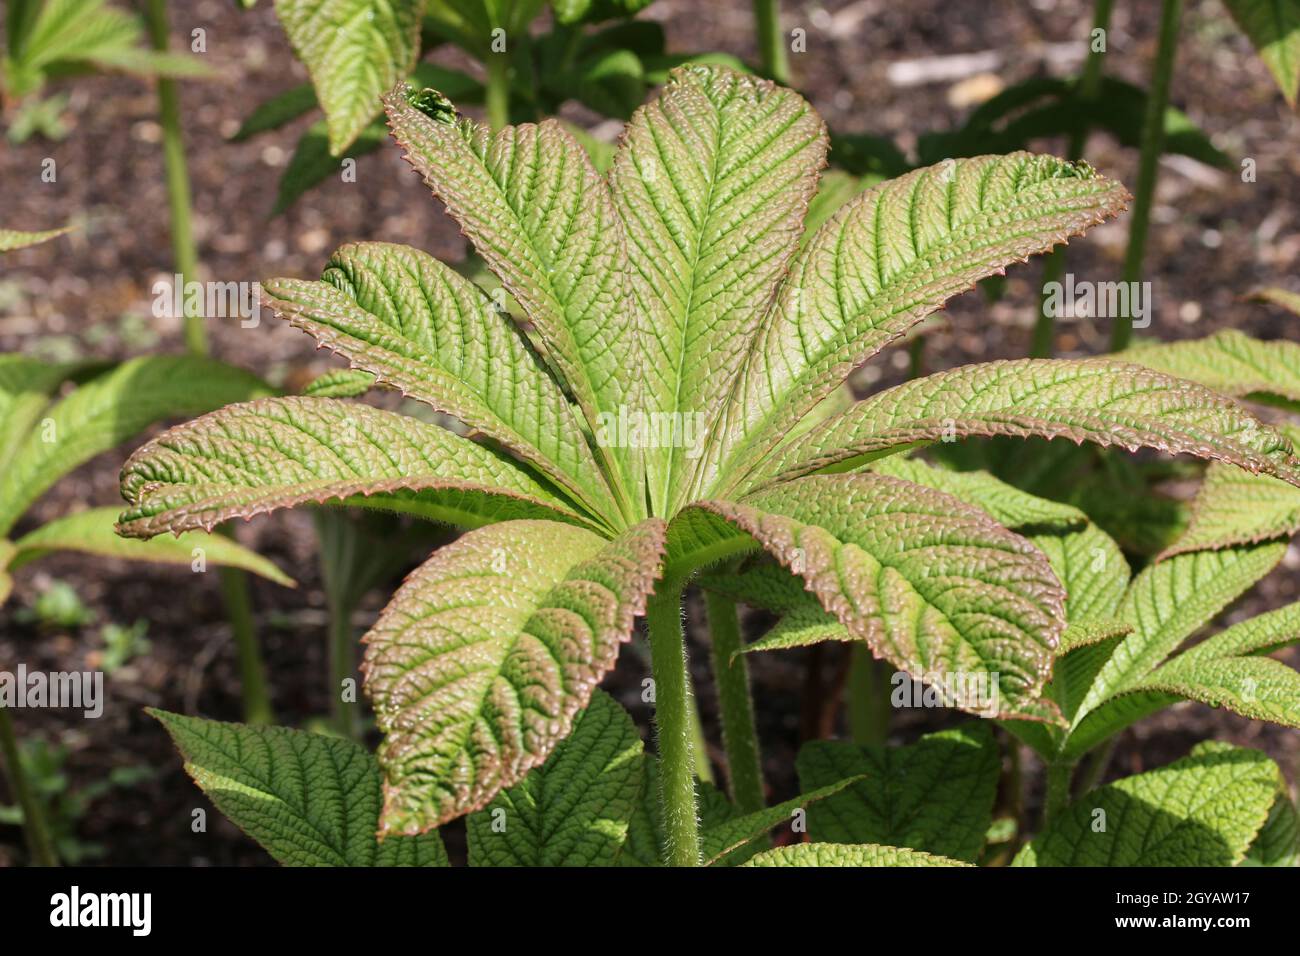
column 1214, row 239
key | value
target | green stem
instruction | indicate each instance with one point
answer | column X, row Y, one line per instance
column 252, row 671
column 868, row 698
column 1058, row 790
column 178, row 179
column 343, row 577
column 343, row 666
column 699, row 743
column 735, row 705
column 498, row 90
column 1153, row 141
column 1097, row 765
column 673, row 724
column 1054, row 267
column 39, row 843
column 771, row 42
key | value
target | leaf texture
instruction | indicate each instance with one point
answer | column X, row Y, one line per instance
column 1230, row 362
column 840, row 854
column 1236, row 507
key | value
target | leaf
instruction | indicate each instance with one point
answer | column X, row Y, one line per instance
column 1236, row 507
column 1104, row 402
column 1278, row 843
column 26, row 385
column 801, row 626
column 312, row 162
column 277, row 111
column 720, row 842
column 839, row 854
column 273, row 453
column 340, row 383
column 109, row 409
column 1230, row 362
column 573, row 810
column 1092, row 568
column 479, row 663
column 931, row 584
column 646, row 841
column 92, row 532
column 1274, row 28
column 1203, row 810
column 543, row 221
column 420, row 327
column 1256, row 687
column 1006, row 504
column 11, row 239
column 712, row 183
column 934, row 795
column 1280, row 297
column 308, row 799
column 355, row 51
column 886, row 260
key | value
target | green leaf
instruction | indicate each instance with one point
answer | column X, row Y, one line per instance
column 573, row 810
column 309, row 800
column 1274, row 28
column 886, row 260
column 1281, row 297
column 109, row 409
column 355, row 51
column 1236, row 507
column 1256, row 687
column 543, row 221
column 312, row 162
column 931, row 584
column 11, row 239
column 255, row 457
column 420, row 327
column 1104, row 402
column 712, row 184
column 26, row 385
column 277, row 111
column 479, row 663
column 801, row 626
column 646, row 841
column 934, row 795
column 340, row 383
column 1092, row 568
column 721, row 842
column 92, row 532
column 1278, row 843
column 1230, row 362
column 855, row 855
column 1203, row 810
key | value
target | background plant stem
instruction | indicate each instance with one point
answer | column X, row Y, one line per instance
column 735, row 705
column 497, row 97
column 37, row 833
column 771, row 41
column 1058, row 790
column 868, row 697
column 252, row 670
column 1153, row 142
column 673, row 724
column 1054, row 266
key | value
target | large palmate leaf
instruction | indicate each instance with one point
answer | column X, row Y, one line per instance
column 886, row 260
column 574, row 810
column 934, row 795
column 92, row 532
column 1203, row 810
column 1274, row 28
column 11, row 239
column 309, row 800
column 1104, row 402
column 355, row 50
column 842, row 854
column 542, row 219
column 421, row 327
column 1230, row 362
column 479, row 663
column 277, row 452
column 712, row 184
column 933, row 585
column 109, row 409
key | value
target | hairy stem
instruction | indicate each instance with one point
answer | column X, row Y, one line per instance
column 498, row 90
column 673, row 724
column 1153, row 142
column 735, row 706
column 39, row 844
column 1057, row 798
column 178, row 179
column 252, row 671
column 771, row 41
column 1054, row 264
column 868, row 697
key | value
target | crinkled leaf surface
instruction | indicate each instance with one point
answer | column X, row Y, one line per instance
column 721, row 841
column 277, row 452
column 886, row 260
column 308, row 799
column 1230, row 362
column 841, row 854
column 479, row 663
column 1235, row 507
column 355, row 50
column 1105, row 402
column 1203, row 810
column 1092, row 568
column 574, row 810
column 111, row 408
column 933, row 585
column 935, row 795
column 1278, row 843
